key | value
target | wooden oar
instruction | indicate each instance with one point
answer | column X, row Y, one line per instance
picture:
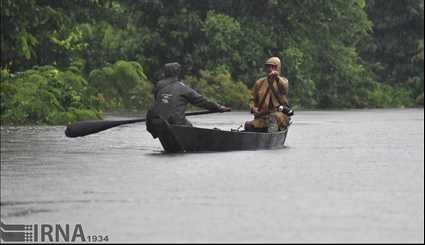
column 84, row 128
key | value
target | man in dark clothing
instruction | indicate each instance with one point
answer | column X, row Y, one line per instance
column 171, row 99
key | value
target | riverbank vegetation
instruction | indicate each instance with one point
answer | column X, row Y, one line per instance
column 63, row 61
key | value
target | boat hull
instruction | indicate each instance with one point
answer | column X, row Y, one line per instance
column 191, row 139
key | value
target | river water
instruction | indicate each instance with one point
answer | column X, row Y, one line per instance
column 344, row 176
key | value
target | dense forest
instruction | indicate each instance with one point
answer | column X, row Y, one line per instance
column 70, row 60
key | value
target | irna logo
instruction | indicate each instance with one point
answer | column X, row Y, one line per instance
column 41, row 233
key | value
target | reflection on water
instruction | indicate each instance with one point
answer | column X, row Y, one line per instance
column 344, row 176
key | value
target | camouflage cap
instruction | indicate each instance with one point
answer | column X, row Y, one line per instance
column 274, row 61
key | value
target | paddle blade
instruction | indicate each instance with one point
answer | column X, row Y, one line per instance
column 84, row 128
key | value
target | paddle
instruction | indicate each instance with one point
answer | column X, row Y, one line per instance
column 84, row 128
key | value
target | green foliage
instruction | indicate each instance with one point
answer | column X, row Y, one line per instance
column 45, row 95
column 26, row 29
column 103, row 44
column 219, row 86
column 384, row 95
column 223, row 34
column 336, row 54
column 420, row 100
column 302, row 87
column 394, row 51
column 122, row 85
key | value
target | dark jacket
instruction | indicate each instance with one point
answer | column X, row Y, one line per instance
column 171, row 99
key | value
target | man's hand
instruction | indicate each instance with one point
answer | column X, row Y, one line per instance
column 273, row 74
column 224, row 108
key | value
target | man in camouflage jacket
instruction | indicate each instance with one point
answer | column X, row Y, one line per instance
column 265, row 100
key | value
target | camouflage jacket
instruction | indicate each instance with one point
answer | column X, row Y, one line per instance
column 260, row 94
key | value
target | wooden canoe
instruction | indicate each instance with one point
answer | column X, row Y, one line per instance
column 175, row 138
